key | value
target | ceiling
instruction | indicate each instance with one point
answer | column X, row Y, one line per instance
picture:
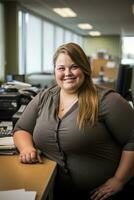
column 110, row 17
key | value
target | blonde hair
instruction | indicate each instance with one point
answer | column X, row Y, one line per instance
column 88, row 98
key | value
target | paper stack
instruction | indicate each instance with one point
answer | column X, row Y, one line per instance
column 7, row 146
column 20, row 194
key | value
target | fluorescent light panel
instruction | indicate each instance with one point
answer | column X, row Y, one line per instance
column 65, row 12
column 94, row 33
column 85, row 26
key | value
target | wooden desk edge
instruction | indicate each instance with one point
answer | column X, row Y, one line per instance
column 49, row 187
column 49, row 183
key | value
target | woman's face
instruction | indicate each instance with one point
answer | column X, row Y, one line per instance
column 68, row 75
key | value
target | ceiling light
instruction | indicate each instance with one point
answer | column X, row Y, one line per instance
column 65, row 12
column 94, row 33
column 85, row 26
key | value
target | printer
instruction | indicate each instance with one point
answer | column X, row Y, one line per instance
column 9, row 104
column 14, row 97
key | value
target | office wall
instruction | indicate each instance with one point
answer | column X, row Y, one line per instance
column 2, row 43
column 11, row 36
column 110, row 43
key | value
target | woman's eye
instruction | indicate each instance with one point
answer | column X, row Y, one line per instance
column 75, row 67
column 60, row 68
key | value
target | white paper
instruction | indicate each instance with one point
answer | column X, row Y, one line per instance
column 20, row 194
column 6, row 141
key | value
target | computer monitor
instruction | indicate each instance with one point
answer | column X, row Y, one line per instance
column 15, row 77
column 124, row 79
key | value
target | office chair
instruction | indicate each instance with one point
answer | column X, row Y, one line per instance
column 123, row 84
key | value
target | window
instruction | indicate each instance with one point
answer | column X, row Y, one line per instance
column 33, row 44
column 59, row 35
column 68, row 36
column 21, row 43
column 75, row 38
column 128, row 50
column 38, row 40
column 48, row 46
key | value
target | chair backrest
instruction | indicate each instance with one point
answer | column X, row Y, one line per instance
column 124, row 79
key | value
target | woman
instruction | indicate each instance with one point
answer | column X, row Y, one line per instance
column 87, row 130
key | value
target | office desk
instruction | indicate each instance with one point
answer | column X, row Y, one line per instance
column 106, row 83
column 32, row 177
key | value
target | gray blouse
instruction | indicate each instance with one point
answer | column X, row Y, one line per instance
column 90, row 156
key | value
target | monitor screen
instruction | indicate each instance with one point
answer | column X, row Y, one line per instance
column 15, row 77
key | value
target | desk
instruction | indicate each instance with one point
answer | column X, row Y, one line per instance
column 106, row 83
column 32, row 177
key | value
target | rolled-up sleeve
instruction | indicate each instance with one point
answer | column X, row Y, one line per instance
column 118, row 117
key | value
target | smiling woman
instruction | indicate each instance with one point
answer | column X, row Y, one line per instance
column 68, row 75
column 88, row 130
column 71, row 71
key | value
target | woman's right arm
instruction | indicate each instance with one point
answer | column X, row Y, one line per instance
column 24, row 143
column 23, row 130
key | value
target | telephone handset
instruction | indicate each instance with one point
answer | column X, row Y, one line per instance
column 27, row 91
column 27, row 94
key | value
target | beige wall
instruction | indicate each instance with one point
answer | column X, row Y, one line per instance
column 110, row 43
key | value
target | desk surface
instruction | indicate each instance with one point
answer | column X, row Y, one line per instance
column 106, row 83
column 32, row 177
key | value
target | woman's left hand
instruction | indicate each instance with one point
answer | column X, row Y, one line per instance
column 109, row 188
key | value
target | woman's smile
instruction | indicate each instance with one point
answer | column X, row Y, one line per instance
column 68, row 75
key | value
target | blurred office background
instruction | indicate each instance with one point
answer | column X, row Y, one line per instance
column 31, row 30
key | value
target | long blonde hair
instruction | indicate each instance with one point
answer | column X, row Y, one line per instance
column 88, row 98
